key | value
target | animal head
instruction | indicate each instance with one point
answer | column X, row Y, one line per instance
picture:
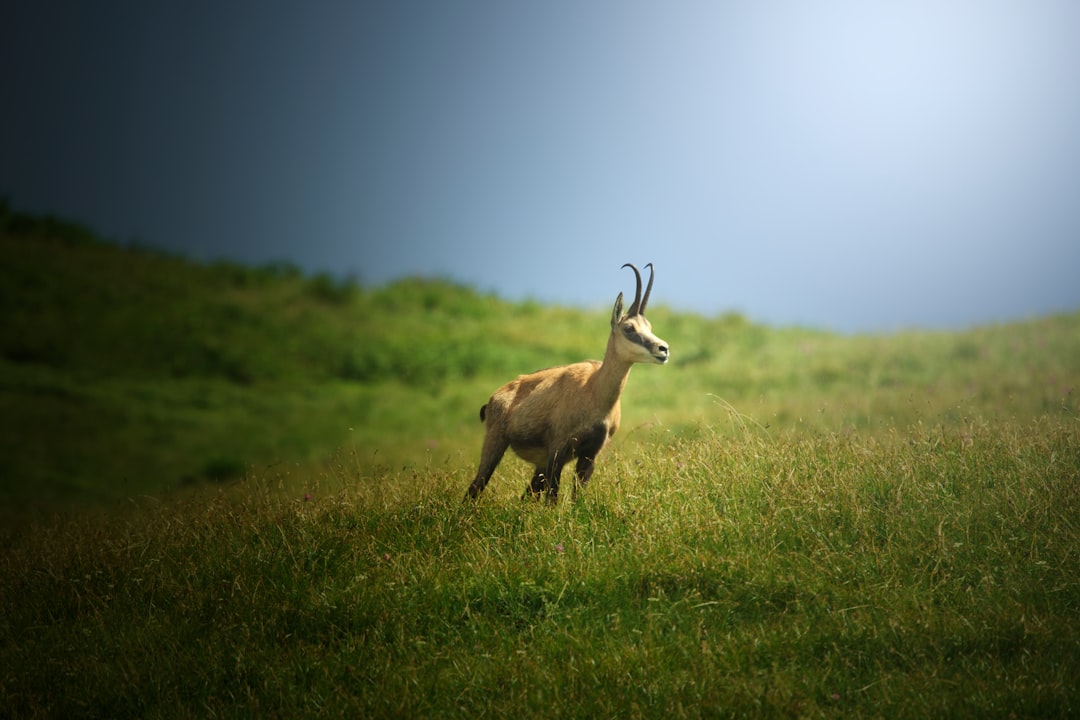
column 631, row 332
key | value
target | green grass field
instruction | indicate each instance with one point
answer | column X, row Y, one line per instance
column 237, row 491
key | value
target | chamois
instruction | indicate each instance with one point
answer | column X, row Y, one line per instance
column 569, row 411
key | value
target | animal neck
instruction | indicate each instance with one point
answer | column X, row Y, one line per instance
column 610, row 379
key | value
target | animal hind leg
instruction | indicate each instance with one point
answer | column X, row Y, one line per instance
column 536, row 486
column 492, row 452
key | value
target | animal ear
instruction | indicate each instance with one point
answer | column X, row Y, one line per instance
column 616, row 313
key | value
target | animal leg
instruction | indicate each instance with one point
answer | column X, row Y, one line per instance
column 584, row 471
column 537, row 485
column 589, row 446
column 554, row 471
column 494, row 447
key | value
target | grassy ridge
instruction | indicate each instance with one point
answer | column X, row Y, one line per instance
column 790, row 523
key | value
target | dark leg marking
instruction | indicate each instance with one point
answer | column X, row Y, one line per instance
column 584, row 469
column 536, row 486
column 588, row 448
column 554, row 472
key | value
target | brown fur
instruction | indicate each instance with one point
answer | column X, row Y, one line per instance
column 570, row 411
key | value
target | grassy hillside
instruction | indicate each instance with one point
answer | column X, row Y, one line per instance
column 126, row 372
column 791, row 523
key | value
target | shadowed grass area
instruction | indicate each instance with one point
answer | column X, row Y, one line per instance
column 923, row 574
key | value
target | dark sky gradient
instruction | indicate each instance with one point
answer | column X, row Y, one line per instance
column 846, row 165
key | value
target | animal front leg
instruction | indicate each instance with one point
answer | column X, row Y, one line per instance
column 589, row 446
column 554, row 472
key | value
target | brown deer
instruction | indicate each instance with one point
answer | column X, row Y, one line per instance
column 570, row 411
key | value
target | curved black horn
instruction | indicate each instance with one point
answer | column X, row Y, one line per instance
column 648, row 289
column 635, row 307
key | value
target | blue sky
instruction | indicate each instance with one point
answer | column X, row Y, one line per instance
column 847, row 165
